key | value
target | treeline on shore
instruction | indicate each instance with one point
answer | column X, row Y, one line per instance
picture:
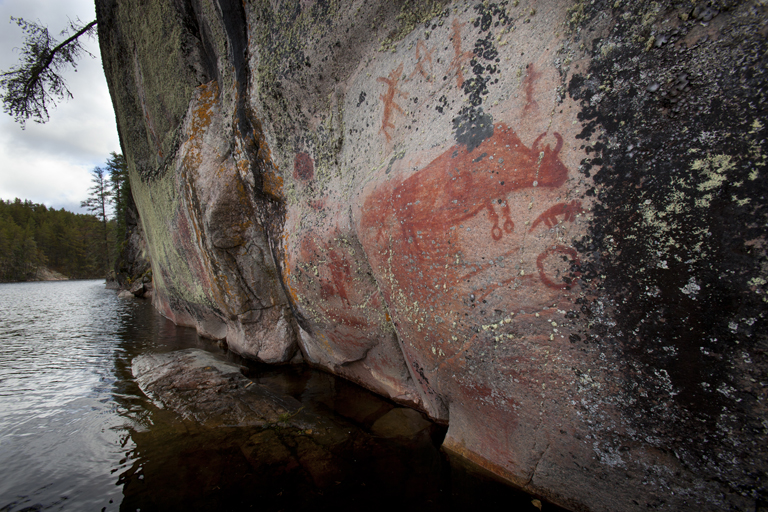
column 33, row 236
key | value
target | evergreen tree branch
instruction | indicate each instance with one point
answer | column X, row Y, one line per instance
column 31, row 86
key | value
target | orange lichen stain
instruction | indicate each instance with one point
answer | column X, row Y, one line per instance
column 288, row 271
column 244, row 167
column 264, row 152
column 202, row 113
column 273, row 184
column 200, row 120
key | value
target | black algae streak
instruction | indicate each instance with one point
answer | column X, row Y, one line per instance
column 676, row 249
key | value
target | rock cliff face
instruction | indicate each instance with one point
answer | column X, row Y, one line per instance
column 132, row 263
column 541, row 222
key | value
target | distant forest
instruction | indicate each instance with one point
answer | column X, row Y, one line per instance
column 79, row 246
column 32, row 236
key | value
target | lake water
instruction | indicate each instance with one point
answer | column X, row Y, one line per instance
column 76, row 432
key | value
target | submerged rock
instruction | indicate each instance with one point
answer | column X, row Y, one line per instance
column 197, row 385
column 400, row 422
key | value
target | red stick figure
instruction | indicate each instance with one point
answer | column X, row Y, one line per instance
column 421, row 46
column 459, row 57
column 528, row 84
column 389, row 99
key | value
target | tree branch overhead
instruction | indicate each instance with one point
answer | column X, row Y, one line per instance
column 29, row 88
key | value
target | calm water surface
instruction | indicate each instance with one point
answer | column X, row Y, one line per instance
column 76, row 433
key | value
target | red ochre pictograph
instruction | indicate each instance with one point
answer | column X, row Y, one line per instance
column 529, row 85
column 427, row 207
column 389, row 99
column 459, row 57
column 569, row 211
column 423, row 54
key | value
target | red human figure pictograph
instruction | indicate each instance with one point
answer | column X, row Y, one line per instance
column 423, row 54
column 388, row 98
column 459, row 57
column 528, row 85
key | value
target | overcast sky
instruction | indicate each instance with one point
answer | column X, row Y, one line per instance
column 51, row 163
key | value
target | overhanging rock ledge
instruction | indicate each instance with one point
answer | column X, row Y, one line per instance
column 542, row 222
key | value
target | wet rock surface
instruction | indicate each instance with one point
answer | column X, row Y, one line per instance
column 288, row 439
column 541, row 223
column 197, row 385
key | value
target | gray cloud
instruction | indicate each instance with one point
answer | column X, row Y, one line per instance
column 50, row 163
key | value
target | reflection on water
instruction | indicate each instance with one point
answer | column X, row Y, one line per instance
column 76, row 433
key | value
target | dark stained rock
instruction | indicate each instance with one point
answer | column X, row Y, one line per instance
column 133, row 260
column 138, row 288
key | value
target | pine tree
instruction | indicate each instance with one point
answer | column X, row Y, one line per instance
column 29, row 88
column 121, row 190
column 98, row 203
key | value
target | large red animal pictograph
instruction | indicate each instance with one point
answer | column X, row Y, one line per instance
column 459, row 184
column 418, row 219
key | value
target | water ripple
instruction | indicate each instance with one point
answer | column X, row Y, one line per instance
column 66, row 402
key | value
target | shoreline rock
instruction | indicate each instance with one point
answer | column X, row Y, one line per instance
column 197, row 385
column 46, row 274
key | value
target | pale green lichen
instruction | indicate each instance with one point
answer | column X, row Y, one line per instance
column 411, row 15
column 714, row 169
column 575, row 15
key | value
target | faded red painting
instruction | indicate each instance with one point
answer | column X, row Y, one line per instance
column 423, row 54
column 389, row 100
column 529, row 85
column 458, row 185
column 331, row 286
column 459, row 57
column 448, row 243
column 303, row 167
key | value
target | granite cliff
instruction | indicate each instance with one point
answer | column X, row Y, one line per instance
column 541, row 222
